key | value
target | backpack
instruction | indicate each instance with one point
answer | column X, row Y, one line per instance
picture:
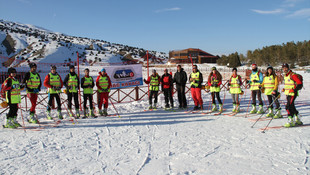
column 300, row 78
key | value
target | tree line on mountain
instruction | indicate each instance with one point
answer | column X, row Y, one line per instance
column 292, row 53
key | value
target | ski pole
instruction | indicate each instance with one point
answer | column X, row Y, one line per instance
column 115, row 108
column 265, row 111
column 74, row 119
column 267, row 125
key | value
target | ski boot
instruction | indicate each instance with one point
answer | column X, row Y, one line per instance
column 155, row 106
column 85, row 113
column 270, row 113
column 278, row 114
column 214, row 108
column 92, row 114
column 167, row 106
column 221, row 107
column 150, row 107
column 59, row 114
column 253, row 111
column 234, row 108
column 290, row 122
column 9, row 123
column 77, row 113
column 48, row 115
column 100, row 112
column 260, row 109
column 105, row 112
column 14, row 121
column 237, row 108
column 297, row 120
column 32, row 119
column 196, row 108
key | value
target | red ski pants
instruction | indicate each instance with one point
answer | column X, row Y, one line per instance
column 103, row 99
column 33, row 99
column 196, row 94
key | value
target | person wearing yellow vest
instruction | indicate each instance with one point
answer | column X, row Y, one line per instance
column 12, row 90
column 33, row 84
column 270, row 86
column 154, row 81
column 292, row 84
column 54, row 84
column 256, row 78
column 103, row 84
column 234, row 84
column 196, row 79
column 87, row 83
column 214, row 82
column 72, row 84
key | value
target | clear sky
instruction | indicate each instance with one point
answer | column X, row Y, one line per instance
column 216, row 26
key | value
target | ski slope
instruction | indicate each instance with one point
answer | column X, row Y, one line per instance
column 161, row 142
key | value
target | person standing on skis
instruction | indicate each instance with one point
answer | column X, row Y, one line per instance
column 256, row 78
column 180, row 79
column 270, row 86
column 72, row 84
column 214, row 82
column 154, row 81
column 54, row 84
column 196, row 79
column 103, row 84
column 292, row 84
column 12, row 89
column 235, row 84
column 87, row 83
column 33, row 84
column 167, row 88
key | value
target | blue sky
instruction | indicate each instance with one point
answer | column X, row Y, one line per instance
column 216, row 26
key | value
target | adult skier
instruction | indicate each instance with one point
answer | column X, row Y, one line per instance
column 103, row 84
column 33, row 84
column 180, row 79
column 12, row 90
column 214, row 82
column 235, row 83
column 292, row 84
column 195, row 78
column 270, row 86
column 87, row 83
column 167, row 88
column 54, row 84
column 72, row 84
column 256, row 78
column 154, row 81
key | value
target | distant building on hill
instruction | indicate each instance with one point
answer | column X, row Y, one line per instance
column 198, row 56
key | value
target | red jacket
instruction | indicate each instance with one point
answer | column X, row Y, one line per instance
column 8, row 84
column 47, row 84
column 294, row 77
column 101, row 75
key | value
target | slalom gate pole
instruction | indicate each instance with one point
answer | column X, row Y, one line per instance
column 114, row 108
column 148, row 71
column 78, row 64
column 21, row 114
column 265, row 111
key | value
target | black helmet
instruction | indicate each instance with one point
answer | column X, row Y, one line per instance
column 270, row 67
column 53, row 67
column 285, row 65
column 71, row 67
column 234, row 69
column 11, row 70
column 31, row 65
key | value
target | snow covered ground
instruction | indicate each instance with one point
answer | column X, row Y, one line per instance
column 161, row 142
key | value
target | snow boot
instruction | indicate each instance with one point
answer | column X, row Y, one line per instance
column 221, row 107
column 48, row 115
column 260, row 109
column 59, row 114
column 14, row 121
column 32, row 119
column 214, row 108
column 270, row 113
column 297, row 120
column 9, row 123
column 105, row 112
column 278, row 114
column 253, row 111
column 290, row 122
column 77, row 113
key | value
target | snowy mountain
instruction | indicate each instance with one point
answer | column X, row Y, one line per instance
column 28, row 42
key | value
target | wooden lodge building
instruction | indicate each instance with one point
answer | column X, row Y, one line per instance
column 198, row 56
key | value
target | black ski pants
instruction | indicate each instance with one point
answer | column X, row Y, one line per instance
column 259, row 97
column 76, row 100
column 50, row 101
column 217, row 94
column 155, row 94
column 168, row 96
column 181, row 96
column 90, row 99
column 290, row 106
column 12, row 111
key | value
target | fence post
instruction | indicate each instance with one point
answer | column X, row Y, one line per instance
column 137, row 93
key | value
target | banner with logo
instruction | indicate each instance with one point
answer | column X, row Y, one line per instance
column 125, row 75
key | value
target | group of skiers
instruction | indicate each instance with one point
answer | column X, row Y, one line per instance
column 53, row 82
column 258, row 83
